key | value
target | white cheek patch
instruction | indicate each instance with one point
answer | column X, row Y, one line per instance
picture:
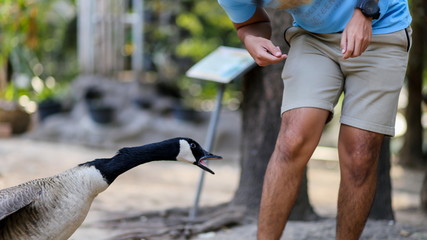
column 185, row 154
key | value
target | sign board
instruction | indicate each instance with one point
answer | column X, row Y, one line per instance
column 222, row 65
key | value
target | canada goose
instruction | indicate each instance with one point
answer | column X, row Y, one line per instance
column 54, row 207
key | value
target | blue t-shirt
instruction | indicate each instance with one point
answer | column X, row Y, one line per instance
column 327, row 16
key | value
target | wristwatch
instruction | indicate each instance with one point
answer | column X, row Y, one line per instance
column 369, row 8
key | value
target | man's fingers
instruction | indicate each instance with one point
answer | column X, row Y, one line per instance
column 349, row 48
column 266, row 58
column 366, row 44
column 263, row 51
column 273, row 50
column 343, row 43
column 352, row 46
column 271, row 55
column 357, row 49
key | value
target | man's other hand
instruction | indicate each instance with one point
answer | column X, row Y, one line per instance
column 357, row 35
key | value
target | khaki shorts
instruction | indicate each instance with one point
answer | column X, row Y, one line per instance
column 315, row 75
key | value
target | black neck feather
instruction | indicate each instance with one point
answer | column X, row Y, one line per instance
column 128, row 158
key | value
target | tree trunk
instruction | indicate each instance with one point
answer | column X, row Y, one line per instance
column 260, row 128
column 262, row 91
column 424, row 195
column 382, row 208
column 424, row 185
column 100, row 42
column 3, row 75
column 411, row 153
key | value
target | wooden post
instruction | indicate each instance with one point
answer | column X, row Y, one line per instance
column 101, row 36
column 85, row 36
column 138, row 38
column 3, row 76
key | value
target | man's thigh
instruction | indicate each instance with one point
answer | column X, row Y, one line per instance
column 373, row 83
column 311, row 76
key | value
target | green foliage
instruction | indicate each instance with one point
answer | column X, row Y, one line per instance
column 206, row 27
column 196, row 48
column 184, row 32
column 19, row 22
column 187, row 28
column 38, row 38
column 32, row 39
column 190, row 22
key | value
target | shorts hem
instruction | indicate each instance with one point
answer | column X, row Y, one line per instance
column 369, row 126
column 322, row 105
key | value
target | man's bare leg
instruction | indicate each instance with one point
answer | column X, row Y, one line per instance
column 358, row 152
column 298, row 137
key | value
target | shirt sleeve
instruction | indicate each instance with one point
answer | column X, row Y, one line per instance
column 237, row 10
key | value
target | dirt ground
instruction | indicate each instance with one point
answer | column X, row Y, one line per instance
column 163, row 185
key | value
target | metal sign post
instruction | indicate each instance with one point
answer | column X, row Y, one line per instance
column 222, row 66
column 209, row 141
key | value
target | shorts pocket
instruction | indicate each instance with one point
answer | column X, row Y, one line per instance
column 408, row 33
column 284, row 36
column 291, row 32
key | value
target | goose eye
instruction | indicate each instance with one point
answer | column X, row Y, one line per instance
column 192, row 145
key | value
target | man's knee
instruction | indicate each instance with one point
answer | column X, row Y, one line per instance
column 299, row 134
column 359, row 152
column 360, row 164
column 289, row 148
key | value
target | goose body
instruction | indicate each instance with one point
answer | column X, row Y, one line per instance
column 54, row 207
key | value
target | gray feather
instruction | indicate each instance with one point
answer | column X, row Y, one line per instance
column 14, row 198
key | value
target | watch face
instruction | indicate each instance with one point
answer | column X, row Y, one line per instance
column 371, row 7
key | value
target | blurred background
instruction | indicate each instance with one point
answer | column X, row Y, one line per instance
column 82, row 78
column 144, row 47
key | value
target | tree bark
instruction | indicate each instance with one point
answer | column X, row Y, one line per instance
column 424, row 195
column 262, row 95
column 3, row 76
column 382, row 205
column 424, row 185
column 412, row 153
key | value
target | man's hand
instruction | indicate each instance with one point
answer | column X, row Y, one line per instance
column 255, row 35
column 263, row 51
column 357, row 35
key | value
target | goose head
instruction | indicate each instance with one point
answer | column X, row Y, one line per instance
column 191, row 152
column 176, row 149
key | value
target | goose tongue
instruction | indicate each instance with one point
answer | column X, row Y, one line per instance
column 201, row 163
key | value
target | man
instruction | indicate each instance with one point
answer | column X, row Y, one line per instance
column 359, row 48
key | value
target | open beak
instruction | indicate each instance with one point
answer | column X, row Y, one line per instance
column 201, row 163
